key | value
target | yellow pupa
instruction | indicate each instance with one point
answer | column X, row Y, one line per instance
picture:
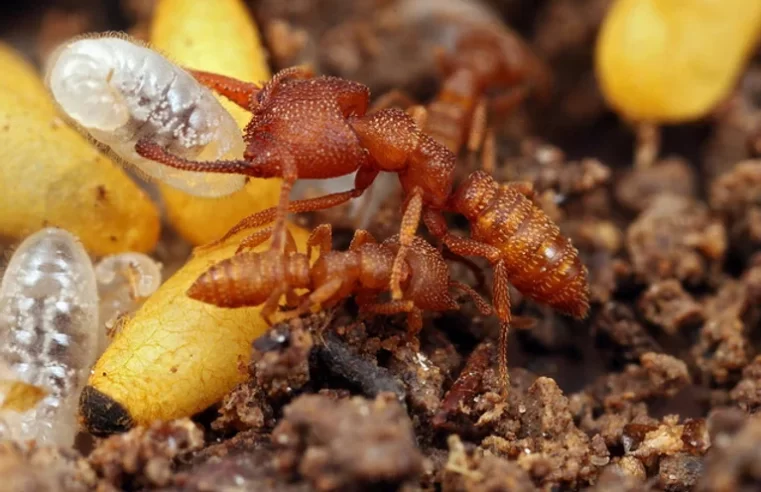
column 670, row 61
column 218, row 37
column 50, row 175
column 19, row 73
column 176, row 356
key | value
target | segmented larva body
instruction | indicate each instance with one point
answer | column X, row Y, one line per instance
column 124, row 281
column 49, row 332
column 120, row 92
column 541, row 263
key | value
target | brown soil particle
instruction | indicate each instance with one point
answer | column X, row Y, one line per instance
column 675, row 237
column 548, row 445
column 657, row 375
column 679, row 473
column 144, row 456
column 616, row 324
column 280, row 359
column 666, row 305
column 736, row 196
column 723, row 348
column 239, row 464
column 475, row 470
column 734, row 461
column 45, row 469
column 747, row 393
column 246, row 407
column 545, row 166
column 638, row 187
column 347, row 444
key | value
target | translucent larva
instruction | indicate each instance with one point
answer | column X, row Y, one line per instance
column 120, row 92
column 124, row 282
column 48, row 333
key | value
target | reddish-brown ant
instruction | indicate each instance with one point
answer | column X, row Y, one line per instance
column 485, row 57
column 252, row 279
column 305, row 127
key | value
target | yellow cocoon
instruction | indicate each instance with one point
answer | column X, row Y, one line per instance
column 50, row 175
column 176, row 356
column 219, row 37
column 669, row 61
column 18, row 74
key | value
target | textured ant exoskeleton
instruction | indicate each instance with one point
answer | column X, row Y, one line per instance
column 484, row 58
column 364, row 271
column 306, row 127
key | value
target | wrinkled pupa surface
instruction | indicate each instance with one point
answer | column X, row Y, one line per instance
column 121, row 92
column 48, row 332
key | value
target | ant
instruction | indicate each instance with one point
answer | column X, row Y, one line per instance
column 317, row 127
column 364, row 270
column 485, row 57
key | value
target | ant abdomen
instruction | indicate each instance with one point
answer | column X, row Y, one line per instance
column 235, row 282
column 249, row 279
column 541, row 263
column 120, row 92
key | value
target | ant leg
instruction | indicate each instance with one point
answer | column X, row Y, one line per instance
column 254, row 240
column 419, row 115
column 489, row 152
column 267, row 216
column 270, row 306
column 469, row 247
column 322, row 237
column 241, row 93
column 290, row 174
column 477, row 126
column 361, row 237
column 388, row 308
column 149, row 149
column 317, row 297
column 290, row 243
column 414, row 325
column 507, row 102
column 501, row 300
column 483, row 307
column 647, row 146
column 292, row 73
column 410, row 222
column 395, row 98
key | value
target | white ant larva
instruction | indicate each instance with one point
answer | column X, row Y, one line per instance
column 120, row 92
column 124, row 280
column 48, row 333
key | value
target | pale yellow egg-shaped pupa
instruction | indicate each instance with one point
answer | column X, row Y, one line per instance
column 50, row 175
column 670, row 61
column 176, row 356
column 18, row 73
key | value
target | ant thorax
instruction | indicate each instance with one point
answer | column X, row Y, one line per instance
column 120, row 92
column 48, row 333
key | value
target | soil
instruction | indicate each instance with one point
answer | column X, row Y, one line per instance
column 658, row 389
